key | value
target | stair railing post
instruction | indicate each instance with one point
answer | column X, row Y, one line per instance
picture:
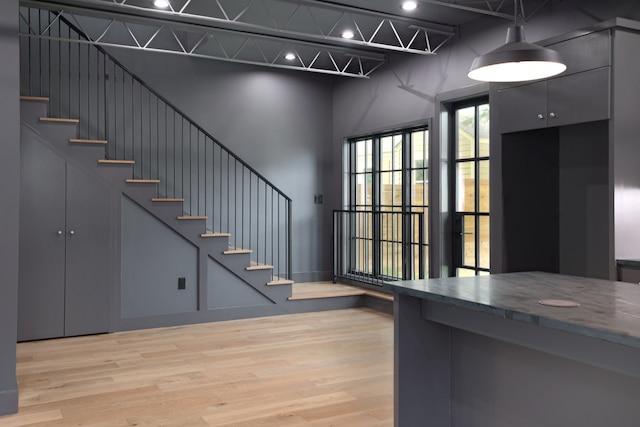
column 289, row 242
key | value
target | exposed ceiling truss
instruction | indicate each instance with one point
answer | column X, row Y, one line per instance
column 259, row 32
column 203, row 43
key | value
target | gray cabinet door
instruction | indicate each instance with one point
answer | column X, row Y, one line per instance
column 41, row 288
column 65, row 247
column 89, row 249
column 522, row 108
column 579, row 98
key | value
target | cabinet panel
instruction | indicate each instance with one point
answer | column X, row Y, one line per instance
column 579, row 98
column 586, row 52
column 519, row 107
column 65, row 247
column 629, row 274
column 89, row 249
column 42, row 249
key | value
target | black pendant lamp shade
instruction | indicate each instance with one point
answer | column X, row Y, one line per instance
column 517, row 61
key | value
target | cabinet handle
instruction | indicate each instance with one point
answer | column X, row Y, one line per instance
column 541, row 116
column 552, row 115
column 59, row 233
column 72, row 232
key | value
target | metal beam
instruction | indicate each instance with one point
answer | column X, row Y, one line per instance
column 122, row 8
column 210, row 44
column 468, row 8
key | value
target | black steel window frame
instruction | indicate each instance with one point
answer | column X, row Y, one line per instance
column 407, row 171
column 458, row 217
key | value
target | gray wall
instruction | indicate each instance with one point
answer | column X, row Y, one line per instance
column 290, row 126
column 10, row 196
column 404, row 91
column 279, row 122
column 153, row 257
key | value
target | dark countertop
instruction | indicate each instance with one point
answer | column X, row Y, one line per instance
column 608, row 310
column 628, row 262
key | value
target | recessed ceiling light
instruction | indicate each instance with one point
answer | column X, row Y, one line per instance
column 161, row 3
column 347, row 34
column 409, row 5
column 290, row 56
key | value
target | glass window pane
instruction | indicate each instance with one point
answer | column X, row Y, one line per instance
column 391, row 261
column 386, row 188
column 391, row 225
column 364, row 189
column 420, row 191
column 483, row 186
column 419, row 147
column 483, row 241
column 386, row 153
column 469, row 241
column 483, row 128
column 397, row 189
column 466, row 133
column 364, row 155
column 397, row 152
column 465, row 187
column 465, row 272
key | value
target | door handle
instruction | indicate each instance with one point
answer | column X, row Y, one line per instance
column 72, row 232
column 59, row 232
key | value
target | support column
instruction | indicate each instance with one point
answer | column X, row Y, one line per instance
column 10, row 201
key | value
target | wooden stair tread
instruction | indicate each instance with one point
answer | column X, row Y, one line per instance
column 191, row 217
column 256, row 267
column 235, row 251
column 304, row 291
column 142, row 181
column 34, row 98
column 280, row 282
column 167, row 199
column 116, row 162
column 206, row 235
column 58, row 120
column 88, row 141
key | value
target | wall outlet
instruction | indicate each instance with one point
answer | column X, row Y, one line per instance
column 317, row 199
column 182, row 283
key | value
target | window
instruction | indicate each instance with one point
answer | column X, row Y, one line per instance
column 388, row 189
column 471, row 189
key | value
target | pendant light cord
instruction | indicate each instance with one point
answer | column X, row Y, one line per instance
column 517, row 15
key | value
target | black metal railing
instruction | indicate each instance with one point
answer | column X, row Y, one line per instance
column 85, row 82
column 377, row 246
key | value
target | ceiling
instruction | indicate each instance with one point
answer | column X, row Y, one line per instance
column 263, row 32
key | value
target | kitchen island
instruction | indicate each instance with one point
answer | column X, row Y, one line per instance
column 484, row 351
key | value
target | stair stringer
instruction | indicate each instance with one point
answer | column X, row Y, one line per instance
column 86, row 156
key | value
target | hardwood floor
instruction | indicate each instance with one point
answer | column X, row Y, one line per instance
column 331, row 368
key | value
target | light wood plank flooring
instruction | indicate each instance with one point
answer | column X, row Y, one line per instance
column 331, row 368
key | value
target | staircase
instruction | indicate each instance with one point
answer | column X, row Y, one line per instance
column 88, row 154
column 113, row 126
column 154, row 146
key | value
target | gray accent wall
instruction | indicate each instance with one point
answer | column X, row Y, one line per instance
column 224, row 290
column 9, row 207
column 153, row 258
column 277, row 121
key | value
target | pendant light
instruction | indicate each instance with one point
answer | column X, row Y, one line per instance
column 516, row 60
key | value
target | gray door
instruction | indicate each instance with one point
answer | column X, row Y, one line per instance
column 65, row 247
column 42, row 242
column 89, row 248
